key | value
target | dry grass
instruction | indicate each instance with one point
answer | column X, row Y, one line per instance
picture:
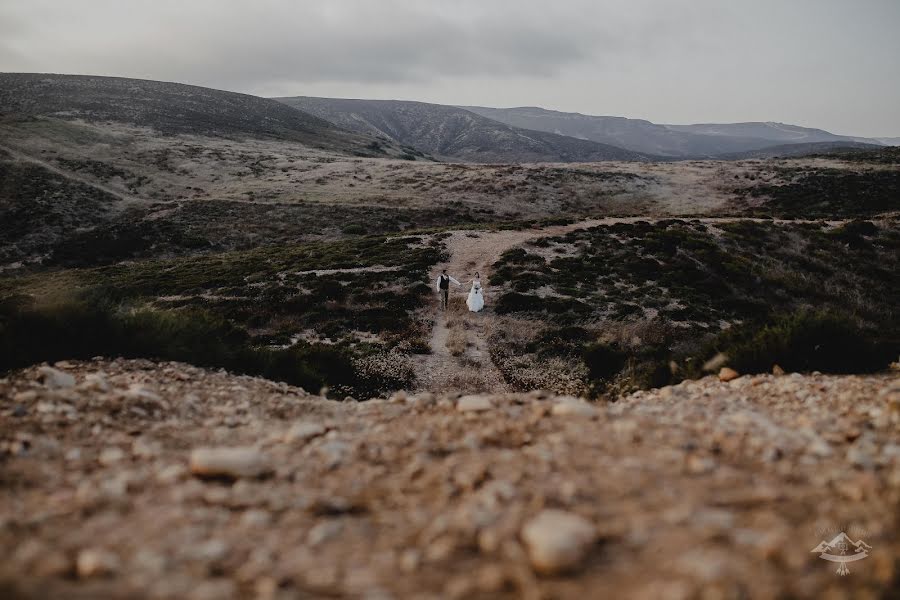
column 457, row 341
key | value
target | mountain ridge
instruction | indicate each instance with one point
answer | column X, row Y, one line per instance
column 673, row 141
column 455, row 133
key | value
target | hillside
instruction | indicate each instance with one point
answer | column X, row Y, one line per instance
column 170, row 109
column 675, row 141
column 455, row 133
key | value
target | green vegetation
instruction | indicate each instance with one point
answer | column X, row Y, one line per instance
column 806, row 341
column 655, row 299
column 310, row 314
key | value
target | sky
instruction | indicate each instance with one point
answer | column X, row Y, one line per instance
column 833, row 64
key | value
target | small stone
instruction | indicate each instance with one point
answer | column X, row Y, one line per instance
column 410, row 560
column 860, row 458
column 303, row 432
column 56, row 379
column 557, row 541
column 94, row 562
column 26, row 397
column 170, row 474
column 228, row 462
column 137, row 392
column 474, row 403
column 698, row 465
column 569, row 406
column 398, row 397
column 256, row 518
column 110, row 456
column 323, row 532
column 728, row 374
column 95, row 382
column 777, row 370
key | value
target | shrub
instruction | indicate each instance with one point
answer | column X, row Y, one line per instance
column 354, row 229
column 806, row 341
column 74, row 329
column 604, row 361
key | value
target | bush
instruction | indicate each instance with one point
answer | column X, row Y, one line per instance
column 355, row 229
column 604, row 361
column 806, row 341
column 78, row 330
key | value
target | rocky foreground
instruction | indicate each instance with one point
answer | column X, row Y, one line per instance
column 129, row 479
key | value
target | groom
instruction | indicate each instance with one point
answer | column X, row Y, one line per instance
column 443, row 287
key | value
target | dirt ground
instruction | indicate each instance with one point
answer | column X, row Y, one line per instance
column 701, row 490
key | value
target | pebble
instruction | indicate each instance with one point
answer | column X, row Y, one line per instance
column 56, row 379
column 94, row 562
column 110, row 456
column 229, row 462
column 474, row 403
column 569, row 406
column 557, row 541
column 728, row 374
column 303, row 431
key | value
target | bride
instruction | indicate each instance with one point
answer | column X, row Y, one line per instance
column 475, row 301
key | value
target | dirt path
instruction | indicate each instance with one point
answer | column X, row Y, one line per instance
column 460, row 357
column 125, row 199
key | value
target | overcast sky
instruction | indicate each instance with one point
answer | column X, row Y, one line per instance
column 833, row 64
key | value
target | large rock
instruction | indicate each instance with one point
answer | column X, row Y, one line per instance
column 93, row 562
column 557, row 541
column 229, row 462
column 728, row 374
column 570, row 406
column 474, row 403
column 56, row 379
column 303, row 432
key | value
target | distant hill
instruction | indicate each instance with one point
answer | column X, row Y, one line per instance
column 171, row 108
column 674, row 141
column 775, row 132
column 454, row 133
column 797, row 150
column 633, row 134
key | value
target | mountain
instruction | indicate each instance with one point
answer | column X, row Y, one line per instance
column 171, row 108
column 675, row 141
column 456, row 133
column 633, row 134
column 889, row 141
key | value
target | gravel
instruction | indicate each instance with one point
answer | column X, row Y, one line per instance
column 162, row 480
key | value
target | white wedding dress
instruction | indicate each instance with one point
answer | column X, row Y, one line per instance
column 475, row 301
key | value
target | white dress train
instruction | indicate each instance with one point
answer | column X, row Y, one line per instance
column 475, row 301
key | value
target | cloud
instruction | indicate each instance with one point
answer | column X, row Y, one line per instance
column 247, row 45
column 827, row 63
